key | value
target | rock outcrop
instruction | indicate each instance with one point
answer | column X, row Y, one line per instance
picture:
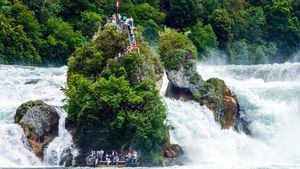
column 40, row 124
column 178, row 55
column 212, row 93
column 173, row 155
column 173, row 151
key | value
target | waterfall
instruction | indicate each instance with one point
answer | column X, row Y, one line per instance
column 270, row 96
column 62, row 146
column 20, row 84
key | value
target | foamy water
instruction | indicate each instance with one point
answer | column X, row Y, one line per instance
column 269, row 94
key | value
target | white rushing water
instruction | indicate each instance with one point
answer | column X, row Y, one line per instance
column 19, row 84
column 61, row 146
column 269, row 94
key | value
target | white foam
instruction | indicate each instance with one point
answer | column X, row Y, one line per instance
column 271, row 102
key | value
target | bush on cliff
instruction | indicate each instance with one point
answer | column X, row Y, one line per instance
column 113, row 100
column 175, row 48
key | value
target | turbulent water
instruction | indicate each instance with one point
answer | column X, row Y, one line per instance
column 18, row 85
column 269, row 95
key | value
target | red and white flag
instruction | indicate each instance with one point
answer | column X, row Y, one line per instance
column 118, row 4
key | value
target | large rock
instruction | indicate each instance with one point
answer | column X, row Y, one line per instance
column 186, row 84
column 173, row 151
column 40, row 124
column 173, row 155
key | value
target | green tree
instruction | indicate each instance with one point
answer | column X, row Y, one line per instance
column 184, row 13
column 174, row 48
column 90, row 23
column 282, row 28
column 44, row 9
column 203, row 38
column 24, row 16
column 61, row 40
column 144, row 12
column 296, row 8
column 5, row 6
column 222, row 25
column 211, row 5
column 242, row 52
column 15, row 46
column 256, row 21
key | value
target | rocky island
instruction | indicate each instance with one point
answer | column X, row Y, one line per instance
column 113, row 101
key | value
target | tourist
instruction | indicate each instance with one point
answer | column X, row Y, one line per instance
column 129, row 157
column 116, row 157
column 107, row 158
column 101, row 155
column 134, row 159
column 114, row 18
column 119, row 19
column 136, row 48
column 92, row 158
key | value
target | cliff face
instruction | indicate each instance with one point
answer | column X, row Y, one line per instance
column 179, row 58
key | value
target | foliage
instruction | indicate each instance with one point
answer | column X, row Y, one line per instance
column 145, row 12
column 175, row 48
column 244, row 53
column 113, row 100
column 259, row 22
column 203, row 38
column 183, row 13
column 282, row 28
column 15, row 45
column 222, row 24
column 90, row 22
column 61, row 40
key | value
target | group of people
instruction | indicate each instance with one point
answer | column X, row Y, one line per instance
column 103, row 157
column 96, row 158
column 124, row 23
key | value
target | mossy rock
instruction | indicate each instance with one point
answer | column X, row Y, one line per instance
column 21, row 111
column 39, row 122
column 216, row 96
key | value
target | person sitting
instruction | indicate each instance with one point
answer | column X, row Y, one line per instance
column 107, row 159
column 129, row 157
column 92, row 158
column 116, row 157
column 134, row 159
column 99, row 157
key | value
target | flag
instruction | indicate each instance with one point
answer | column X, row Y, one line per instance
column 118, row 5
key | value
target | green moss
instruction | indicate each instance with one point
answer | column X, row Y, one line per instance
column 21, row 111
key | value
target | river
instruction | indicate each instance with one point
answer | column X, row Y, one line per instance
column 269, row 95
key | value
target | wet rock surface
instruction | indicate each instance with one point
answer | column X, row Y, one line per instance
column 40, row 124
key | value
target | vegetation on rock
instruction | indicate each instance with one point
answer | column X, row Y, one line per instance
column 187, row 83
column 175, row 49
column 113, row 101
